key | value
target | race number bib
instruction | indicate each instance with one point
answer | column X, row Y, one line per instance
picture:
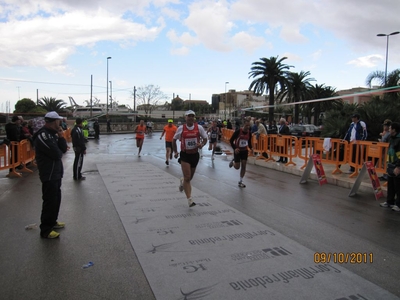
column 213, row 135
column 191, row 143
column 243, row 143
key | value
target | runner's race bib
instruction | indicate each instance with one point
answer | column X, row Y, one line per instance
column 191, row 143
column 243, row 143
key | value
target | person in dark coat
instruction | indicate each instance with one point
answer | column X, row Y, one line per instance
column 49, row 147
column 78, row 143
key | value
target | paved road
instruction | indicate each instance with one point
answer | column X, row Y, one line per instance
column 323, row 219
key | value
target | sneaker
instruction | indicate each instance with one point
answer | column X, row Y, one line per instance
column 52, row 235
column 59, row 225
column 385, row 204
column 395, row 208
column 181, row 185
column 191, row 203
column 167, row 162
column 241, row 184
column 82, row 178
column 231, row 164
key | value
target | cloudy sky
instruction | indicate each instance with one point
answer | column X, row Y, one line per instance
column 188, row 48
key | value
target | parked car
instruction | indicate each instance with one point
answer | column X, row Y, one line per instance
column 305, row 130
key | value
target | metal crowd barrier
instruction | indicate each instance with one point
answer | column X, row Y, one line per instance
column 339, row 152
column 17, row 154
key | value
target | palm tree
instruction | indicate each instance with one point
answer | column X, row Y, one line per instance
column 319, row 92
column 52, row 104
column 393, row 79
column 268, row 73
column 298, row 89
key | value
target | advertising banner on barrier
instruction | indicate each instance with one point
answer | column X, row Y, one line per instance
column 319, row 169
column 374, row 180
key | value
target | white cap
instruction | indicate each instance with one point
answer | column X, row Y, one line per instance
column 189, row 112
column 53, row 115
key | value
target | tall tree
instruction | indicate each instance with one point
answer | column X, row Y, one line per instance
column 298, row 89
column 319, row 91
column 149, row 96
column 24, row 105
column 52, row 104
column 393, row 79
column 268, row 73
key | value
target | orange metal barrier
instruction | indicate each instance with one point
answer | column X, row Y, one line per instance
column 260, row 146
column 227, row 134
column 9, row 160
column 362, row 151
column 340, row 153
column 26, row 155
column 67, row 135
column 336, row 155
column 283, row 146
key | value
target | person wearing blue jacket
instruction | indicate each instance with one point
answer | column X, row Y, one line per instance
column 49, row 147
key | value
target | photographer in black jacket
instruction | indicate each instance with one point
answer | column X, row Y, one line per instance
column 49, row 151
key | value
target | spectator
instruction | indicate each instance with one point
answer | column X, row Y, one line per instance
column 64, row 124
column 229, row 125
column 96, row 128
column 283, row 130
column 385, row 134
column 109, row 124
column 49, row 151
column 78, row 143
column 356, row 132
column 261, row 130
column 272, row 128
column 393, row 186
column 13, row 133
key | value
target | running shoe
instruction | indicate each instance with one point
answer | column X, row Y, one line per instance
column 241, row 184
column 181, row 185
column 167, row 162
column 231, row 164
column 191, row 203
column 385, row 204
column 59, row 225
column 52, row 235
column 395, row 208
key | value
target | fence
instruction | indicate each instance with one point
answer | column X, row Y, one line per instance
column 332, row 151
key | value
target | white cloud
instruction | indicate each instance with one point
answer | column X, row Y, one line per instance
column 247, row 42
column 209, row 20
column 180, row 51
column 49, row 41
column 366, row 61
column 316, row 55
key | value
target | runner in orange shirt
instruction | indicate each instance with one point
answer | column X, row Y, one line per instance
column 169, row 131
column 140, row 130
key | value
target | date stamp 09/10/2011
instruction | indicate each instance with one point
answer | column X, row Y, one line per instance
column 343, row 257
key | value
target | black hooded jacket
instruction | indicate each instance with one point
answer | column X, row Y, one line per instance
column 49, row 151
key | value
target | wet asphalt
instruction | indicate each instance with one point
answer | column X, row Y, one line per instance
column 321, row 218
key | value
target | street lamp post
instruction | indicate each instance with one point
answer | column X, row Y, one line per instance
column 111, row 98
column 225, row 99
column 107, row 82
column 387, row 49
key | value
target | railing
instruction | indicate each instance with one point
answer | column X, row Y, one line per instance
column 332, row 151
